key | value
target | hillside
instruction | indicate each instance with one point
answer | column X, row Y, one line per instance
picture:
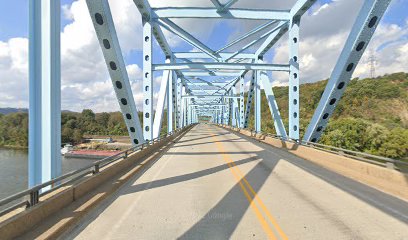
column 371, row 117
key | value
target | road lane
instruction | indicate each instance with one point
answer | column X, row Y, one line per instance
column 214, row 184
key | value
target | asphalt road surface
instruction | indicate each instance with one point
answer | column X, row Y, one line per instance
column 213, row 184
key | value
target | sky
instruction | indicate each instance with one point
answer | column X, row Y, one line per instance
column 85, row 79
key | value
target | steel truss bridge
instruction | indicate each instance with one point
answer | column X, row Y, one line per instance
column 203, row 82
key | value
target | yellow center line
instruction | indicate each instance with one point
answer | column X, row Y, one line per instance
column 240, row 176
column 254, row 208
column 264, row 208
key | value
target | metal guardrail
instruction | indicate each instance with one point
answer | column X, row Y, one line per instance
column 35, row 193
column 360, row 156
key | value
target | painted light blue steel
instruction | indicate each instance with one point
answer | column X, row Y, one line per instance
column 174, row 28
column 100, row 13
column 360, row 35
column 147, row 80
column 44, row 161
column 171, row 103
column 164, row 87
column 247, row 35
column 241, row 101
column 273, row 106
column 294, row 79
column 189, row 12
column 249, row 102
column 257, row 100
column 222, row 66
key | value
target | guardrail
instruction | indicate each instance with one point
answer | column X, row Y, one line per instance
column 365, row 157
column 35, row 193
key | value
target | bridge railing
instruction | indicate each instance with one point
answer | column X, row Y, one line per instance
column 36, row 192
column 360, row 156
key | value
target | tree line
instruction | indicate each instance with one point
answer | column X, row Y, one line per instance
column 372, row 117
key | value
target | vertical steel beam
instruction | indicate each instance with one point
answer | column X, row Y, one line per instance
column 179, row 104
column 147, row 80
column 294, row 78
column 164, row 86
column 106, row 33
column 235, row 109
column 249, row 100
column 227, row 110
column 241, row 101
column 257, row 101
column 171, row 103
column 360, row 35
column 273, row 106
column 45, row 91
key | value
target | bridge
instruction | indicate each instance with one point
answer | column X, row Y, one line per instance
column 207, row 175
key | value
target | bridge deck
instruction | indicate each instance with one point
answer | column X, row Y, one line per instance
column 214, row 184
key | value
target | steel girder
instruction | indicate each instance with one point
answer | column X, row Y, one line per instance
column 44, row 160
column 210, row 64
column 106, row 33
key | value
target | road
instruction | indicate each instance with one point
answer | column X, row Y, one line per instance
column 213, row 184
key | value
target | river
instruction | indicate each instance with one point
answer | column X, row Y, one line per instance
column 14, row 170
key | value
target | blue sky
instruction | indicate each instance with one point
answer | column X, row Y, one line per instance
column 391, row 39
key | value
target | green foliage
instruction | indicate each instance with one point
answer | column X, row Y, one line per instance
column 372, row 115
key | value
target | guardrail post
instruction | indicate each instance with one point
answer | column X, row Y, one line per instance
column 96, row 169
column 390, row 165
column 34, row 198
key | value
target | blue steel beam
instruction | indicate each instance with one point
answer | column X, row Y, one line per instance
column 229, row 4
column 223, row 66
column 249, row 102
column 145, row 11
column 273, row 106
column 252, row 14
column 174, row 28
column 255, row 41
column 147, row 80
column 179, row 104
column 201, row 55
column 241, row 101
column 106, row 33
column 360, row 35
column 211, row 74
column 247, row 35
column 171, row 103
column 272, row 39
column 44, row 155
column 294, row 85
column 164, row 87
column 257, row 100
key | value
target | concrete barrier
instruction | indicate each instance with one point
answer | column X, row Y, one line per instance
column 383, row 179
column 118, row 172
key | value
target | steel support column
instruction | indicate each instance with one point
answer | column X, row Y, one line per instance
column 241, row 101
column 179, row 104
column 294, row 78
column 257, row 101
column 147, row 80
column 44, row 161
column 249, row 100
